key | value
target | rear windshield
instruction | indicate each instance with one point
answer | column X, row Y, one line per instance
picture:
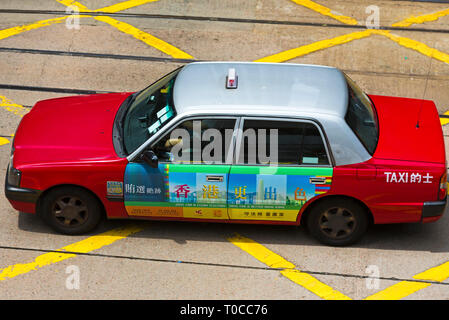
column 361, row 117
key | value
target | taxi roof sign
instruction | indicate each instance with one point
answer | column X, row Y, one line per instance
column 231, row 79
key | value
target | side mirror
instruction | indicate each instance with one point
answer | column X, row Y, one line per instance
column 150, row 158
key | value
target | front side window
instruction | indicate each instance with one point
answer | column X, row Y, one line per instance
column 361, row 117
column 197, row 141
column 281, row 143
column 150, row 110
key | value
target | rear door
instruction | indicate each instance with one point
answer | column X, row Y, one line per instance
column 280, row 165
column 192, row 175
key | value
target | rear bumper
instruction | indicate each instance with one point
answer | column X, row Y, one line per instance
column 433, row 210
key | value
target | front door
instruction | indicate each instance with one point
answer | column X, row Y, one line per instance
column 192, row 176
column 280, row 166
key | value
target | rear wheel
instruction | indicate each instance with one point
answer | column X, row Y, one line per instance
column 337, row 222
column 71, row 210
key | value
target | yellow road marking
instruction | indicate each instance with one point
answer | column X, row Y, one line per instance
column 445, row 121
column 274, row 260
column 122, row 26
column 325, row 11
column 70, row 3
column 313, row 285
column 319, row 45
column 124, row 5
column 260, row 252
column 415, row 45
column 145, row 37
column 324, row 44
column 421, row 19
column 398, row 291
column 10, row 106
column 405, row 288
column 83, row 246
column 5, row 33
column 3, row 141
column 129, row 29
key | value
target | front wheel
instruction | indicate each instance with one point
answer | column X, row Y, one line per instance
column 71, row 210
column 337, row 222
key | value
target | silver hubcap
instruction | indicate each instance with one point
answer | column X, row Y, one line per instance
column 337, row 223
column 70, row 211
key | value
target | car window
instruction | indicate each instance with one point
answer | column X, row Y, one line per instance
column 361, row 117
column 197, row 141
column 281, row 143
column 151, row 110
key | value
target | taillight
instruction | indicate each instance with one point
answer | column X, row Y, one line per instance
column 442, row 193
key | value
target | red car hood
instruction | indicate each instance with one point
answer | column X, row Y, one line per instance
column 68, row 129
column 409, row 129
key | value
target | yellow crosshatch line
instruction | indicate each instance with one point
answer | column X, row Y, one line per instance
column 397, row 291
column 288, row 270
column 319, row 45
column 10, row 106
column 84, row 246
column 280, row 57
column 324, row 44
column 421, row 19
column 325, row 11
column 129, row 29
column 3, row 141
column 266, row 256
column 445, row 121
column 6, row 33
column 405, row 288
column 122, row 26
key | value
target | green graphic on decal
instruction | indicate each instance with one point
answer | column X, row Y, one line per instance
column 224, row 186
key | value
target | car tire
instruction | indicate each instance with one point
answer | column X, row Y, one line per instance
column 337, row 222
column 71, row 210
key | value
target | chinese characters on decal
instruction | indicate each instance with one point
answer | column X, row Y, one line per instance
column 406, row 177
column 210, row 191
column 240, row 193
column 182, row 190
column 300, row 194
column 139, row 189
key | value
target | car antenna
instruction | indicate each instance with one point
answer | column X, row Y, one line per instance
column 424, row 94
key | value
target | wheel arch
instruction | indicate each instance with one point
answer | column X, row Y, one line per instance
column 48, row 190
column 310, row 206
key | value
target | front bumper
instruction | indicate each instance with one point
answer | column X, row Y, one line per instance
column 20, row 194
column 433, row 210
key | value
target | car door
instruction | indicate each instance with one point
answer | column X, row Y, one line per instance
column 190, row 180
column 280, row 165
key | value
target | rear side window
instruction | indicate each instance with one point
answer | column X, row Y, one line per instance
column 281, row 143
column 361, row 117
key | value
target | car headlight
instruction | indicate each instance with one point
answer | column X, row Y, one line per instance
column 14, row 175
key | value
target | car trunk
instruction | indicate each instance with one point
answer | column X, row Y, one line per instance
column 409, row 129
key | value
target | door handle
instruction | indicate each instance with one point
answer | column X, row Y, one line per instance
column 317, row 180
column 214, row 178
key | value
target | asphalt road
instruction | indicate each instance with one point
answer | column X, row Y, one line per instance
column 125, row 46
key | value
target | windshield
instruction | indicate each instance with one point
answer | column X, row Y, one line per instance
column 361, row 117
column 149, row 112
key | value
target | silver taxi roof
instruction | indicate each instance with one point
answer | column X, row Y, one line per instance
column 294, row 89
column 269, row 90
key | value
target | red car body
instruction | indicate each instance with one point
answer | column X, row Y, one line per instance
column 55, row 146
